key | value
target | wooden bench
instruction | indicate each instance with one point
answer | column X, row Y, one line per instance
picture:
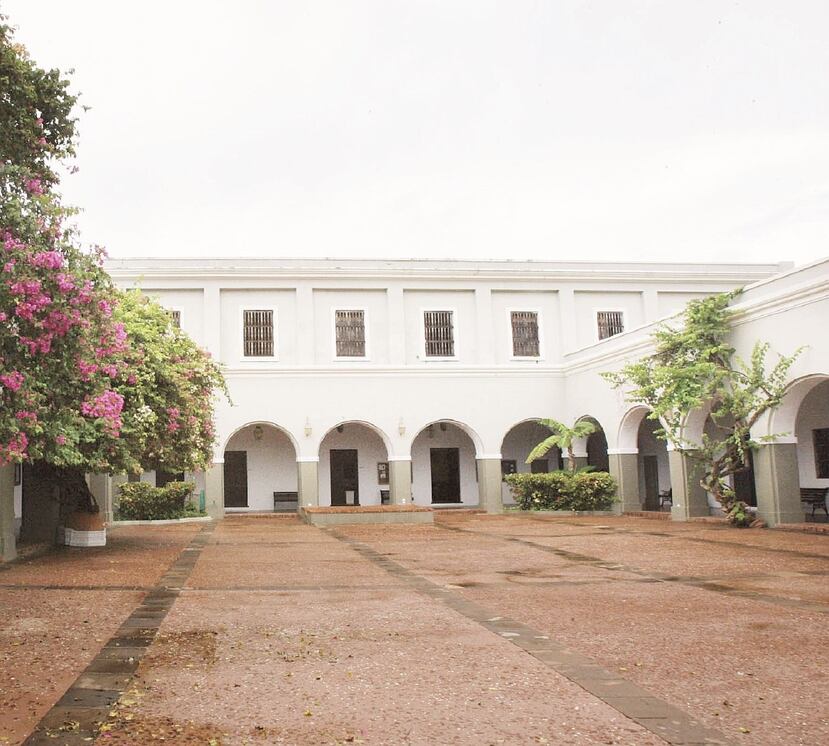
column 285, row 501
column 816, row 497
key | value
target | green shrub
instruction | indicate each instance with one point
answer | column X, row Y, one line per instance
column 563, row 490
column 143, row 502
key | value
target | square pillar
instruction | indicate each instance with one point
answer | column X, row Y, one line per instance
column 777, row 479
column 100, row 485
column 489, row 485
column 400, row 482
column 624, row 468
column 581, row 461
column 308, row 483
column 214, row 490
column 690, row 500
column 8, row 545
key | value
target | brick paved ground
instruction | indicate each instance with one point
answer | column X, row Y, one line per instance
column 478, row 630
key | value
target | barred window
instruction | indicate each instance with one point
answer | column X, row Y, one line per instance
column 175, row 317
column 351, row 333
column 258, row 334
column 440, row 340
column 820, row 438
column 525, row 334
column 610, row 323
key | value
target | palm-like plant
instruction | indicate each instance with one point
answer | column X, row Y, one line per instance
column 562, row 438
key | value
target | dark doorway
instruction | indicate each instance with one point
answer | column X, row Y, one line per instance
column 744, row 487
column 651, row 469
column 446, row 475
column 540, row 466
column 236, row 479
column 345, row 487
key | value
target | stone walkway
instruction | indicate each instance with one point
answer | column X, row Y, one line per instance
column 478, row 630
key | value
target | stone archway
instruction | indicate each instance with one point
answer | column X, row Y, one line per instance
column 354, row 465
column 444, row 466
column 260, row 470
column 519, row 440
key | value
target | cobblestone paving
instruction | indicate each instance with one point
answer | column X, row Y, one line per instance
column 478, row 630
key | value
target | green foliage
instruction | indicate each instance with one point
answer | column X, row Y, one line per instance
column 563, row 490
column 693, row 367
column 141, row 501
column 562, row 438
column 168, row 391
column 36, row 123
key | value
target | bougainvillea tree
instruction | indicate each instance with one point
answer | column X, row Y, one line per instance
column 91, row 379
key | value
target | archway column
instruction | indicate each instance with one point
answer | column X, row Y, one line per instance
column 307, row 471
column 579, row 453
column 100, row 485
column 400, row 481
column 489, row 483
column 690, row 500
column 777, row 480
column 214, row 489
column 624, row 468
column 8, row 545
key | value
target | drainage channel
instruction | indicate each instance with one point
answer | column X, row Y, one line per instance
column 77, row 716
column 655, row 715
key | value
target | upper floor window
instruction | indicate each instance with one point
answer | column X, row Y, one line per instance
column 525, row 340
column 350, row 329
column 175, row 318
column 610, row 323
column 258, row 334
column 439, row 333
column 820, row 438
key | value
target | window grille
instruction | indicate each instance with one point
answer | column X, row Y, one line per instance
column 820, row 437
column 525, row 334
column 610, row 323
column 258, row 333
column 440, row 340
column 175, row 317
column 351, row 333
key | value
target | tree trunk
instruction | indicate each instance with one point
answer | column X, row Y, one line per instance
column 72, row 490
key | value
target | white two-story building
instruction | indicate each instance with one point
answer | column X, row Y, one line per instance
column 361, row 381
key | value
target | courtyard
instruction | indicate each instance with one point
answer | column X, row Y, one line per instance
column 513, row 629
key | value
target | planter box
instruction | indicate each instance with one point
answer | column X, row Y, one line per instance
column 72, row 537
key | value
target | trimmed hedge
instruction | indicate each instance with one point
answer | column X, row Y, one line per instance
column 563, row 490
column 143, row 502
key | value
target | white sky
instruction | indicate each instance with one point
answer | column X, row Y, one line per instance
column 622, row 129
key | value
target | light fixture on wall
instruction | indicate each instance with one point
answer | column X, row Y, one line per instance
column 340, row 428
column 443, row 427
column 258, row 432
column 401, row 428
column 308, row 428
column 431, row 431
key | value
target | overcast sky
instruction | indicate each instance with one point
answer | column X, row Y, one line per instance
column 566, row 129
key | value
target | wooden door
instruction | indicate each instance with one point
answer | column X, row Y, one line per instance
column 344, row 476
column 446, row 475
column 236, row 479
column 651, row 466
